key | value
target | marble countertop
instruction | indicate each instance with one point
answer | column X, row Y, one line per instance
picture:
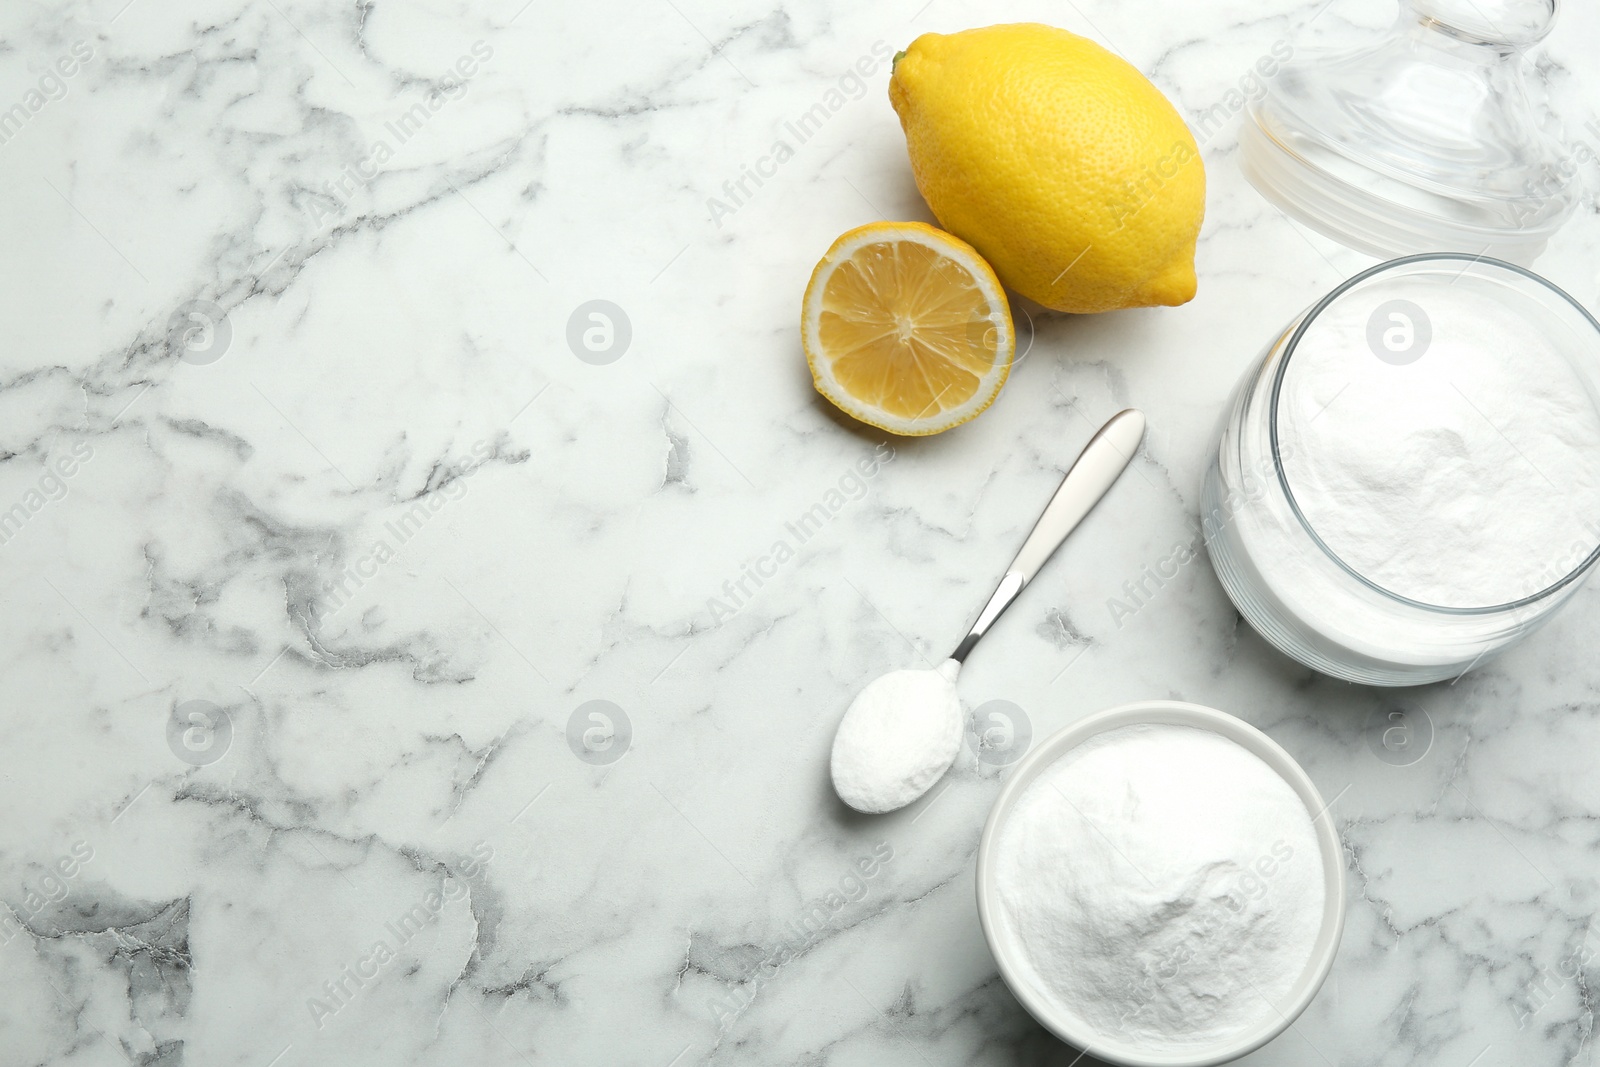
column 396, row 675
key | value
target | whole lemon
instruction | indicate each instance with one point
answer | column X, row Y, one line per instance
column 1057, row 160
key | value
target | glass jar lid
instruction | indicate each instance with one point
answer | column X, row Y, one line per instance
column 1428, row 140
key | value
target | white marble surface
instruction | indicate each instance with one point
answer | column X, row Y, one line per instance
column 396, row 301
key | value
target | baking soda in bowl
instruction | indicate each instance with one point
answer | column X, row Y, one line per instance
column 1163, row 886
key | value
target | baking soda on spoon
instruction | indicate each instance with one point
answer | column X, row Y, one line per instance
column 898, row 737
column 903, row 730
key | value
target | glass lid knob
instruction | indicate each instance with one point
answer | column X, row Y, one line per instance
column 1515, row 23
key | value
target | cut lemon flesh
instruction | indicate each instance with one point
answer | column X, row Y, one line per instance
column 906, row 328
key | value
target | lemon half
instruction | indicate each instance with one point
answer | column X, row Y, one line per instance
column 906, row 328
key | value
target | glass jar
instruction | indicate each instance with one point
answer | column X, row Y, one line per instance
column 1275, row 563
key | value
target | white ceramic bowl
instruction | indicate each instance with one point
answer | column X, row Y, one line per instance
column 1073, row 1030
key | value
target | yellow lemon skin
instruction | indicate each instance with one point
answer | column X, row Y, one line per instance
column 1058, row 161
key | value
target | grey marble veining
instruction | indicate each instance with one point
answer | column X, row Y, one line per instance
column 386, row 684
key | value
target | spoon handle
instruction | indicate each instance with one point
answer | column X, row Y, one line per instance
column 1096, row 469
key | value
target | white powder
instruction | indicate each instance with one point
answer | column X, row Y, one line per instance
column 1164, row 886
column 1466, row 477
column 899, row 735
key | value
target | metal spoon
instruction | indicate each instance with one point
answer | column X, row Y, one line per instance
column 903, row 730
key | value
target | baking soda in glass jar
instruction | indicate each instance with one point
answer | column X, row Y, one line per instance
column 1429, row 435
